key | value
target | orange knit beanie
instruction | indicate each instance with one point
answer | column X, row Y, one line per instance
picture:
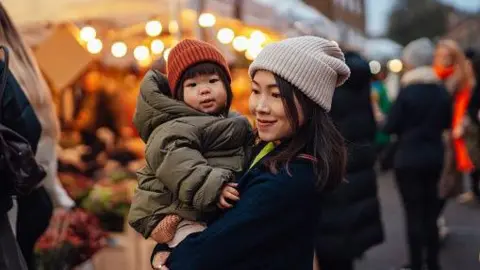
column 190, row 52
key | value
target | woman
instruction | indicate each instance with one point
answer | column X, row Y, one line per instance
column 17, row 115
column 350, row 220
column 418, row 117
column 34, row 211
column 300, row 154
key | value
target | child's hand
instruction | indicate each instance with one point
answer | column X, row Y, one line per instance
column 229, row 194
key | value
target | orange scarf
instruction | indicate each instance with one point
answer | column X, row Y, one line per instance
column 443, row 72
column 460, row 106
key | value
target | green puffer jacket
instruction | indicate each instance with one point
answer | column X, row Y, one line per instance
column 189, row 156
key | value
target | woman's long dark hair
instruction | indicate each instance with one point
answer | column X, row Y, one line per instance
column 317, row 137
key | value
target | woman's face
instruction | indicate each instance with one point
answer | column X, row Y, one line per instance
column 267, row 106
column 443, row 57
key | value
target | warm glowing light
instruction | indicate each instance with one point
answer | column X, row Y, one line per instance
column 119, row 49
column 153, row 28
column 94, row 46
column 166, row 53
column 141, row 53
column 88, row 33
column 395, row 65
column 240, row 43
column 225, row 35
column 253, row 51
column 375, row 67
column 157, row 46
column 173, row 27
column 258, row 37
column 207, row 20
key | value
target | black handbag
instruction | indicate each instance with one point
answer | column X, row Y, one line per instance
column 17, row 160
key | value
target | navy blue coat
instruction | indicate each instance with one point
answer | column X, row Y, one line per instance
column 422, row 111
column 18, row 115
column 271, row 227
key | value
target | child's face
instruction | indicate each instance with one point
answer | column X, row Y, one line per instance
column 205, row 93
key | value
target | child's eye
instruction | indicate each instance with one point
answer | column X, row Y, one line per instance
column 214, row 80
column 276, row 95
column 191, row 85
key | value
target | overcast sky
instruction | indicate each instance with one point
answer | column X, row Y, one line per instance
column 377, row 12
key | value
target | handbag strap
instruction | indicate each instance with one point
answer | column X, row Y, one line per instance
column 3, row 79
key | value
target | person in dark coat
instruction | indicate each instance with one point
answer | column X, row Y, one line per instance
column 18, row 115
column 419, row 116
column 271, row 226
column 474, row 115
column 349, row 221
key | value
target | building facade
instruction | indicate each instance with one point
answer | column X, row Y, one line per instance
column 349, row 17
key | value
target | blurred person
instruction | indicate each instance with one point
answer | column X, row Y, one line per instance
column 419, row 117
column 451, row 66
column 473, row 136
column 19, row 116
column 35, row 210
column 350, row 221
column 381, row 106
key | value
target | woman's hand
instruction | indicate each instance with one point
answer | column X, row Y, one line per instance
column 458, row 132
column 229, row 194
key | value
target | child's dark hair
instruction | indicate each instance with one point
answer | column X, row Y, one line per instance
column 317, row 137
column 206, row 68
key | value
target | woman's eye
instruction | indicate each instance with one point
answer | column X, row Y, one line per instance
column 276, row 95
column 255, row 91
column 214, row 80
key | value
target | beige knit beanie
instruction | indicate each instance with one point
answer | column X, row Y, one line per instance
column 313, row 64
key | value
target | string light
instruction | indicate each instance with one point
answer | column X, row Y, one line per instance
column 119, row 49
column 166, row 53
column 173, row 27
column 375, row 67
column 240, row 43
column 395, row 65
column 88, row 33
column 225, row 35
column 153, row 28
column 207, row 20
column 157, row 46
column 94, row 46
column 141, row 53
column 258, row 37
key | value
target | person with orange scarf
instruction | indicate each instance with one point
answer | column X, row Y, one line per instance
column 451, row 66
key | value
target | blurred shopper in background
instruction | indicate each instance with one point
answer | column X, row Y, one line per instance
column 350, row 220
column 419, row 117
column 381, row 105
column 34, row 210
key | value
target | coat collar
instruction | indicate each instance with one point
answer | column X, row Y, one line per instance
column 420, row 75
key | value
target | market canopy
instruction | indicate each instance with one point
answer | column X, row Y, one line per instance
column 28, row 12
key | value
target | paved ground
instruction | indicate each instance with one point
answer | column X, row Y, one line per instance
column 462, row 247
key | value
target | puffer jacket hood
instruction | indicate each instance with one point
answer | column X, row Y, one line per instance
column 154, row 107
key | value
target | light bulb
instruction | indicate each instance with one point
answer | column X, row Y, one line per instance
column 166, row 53
column 258, row 37
column 240, row 43
column 141, row 53
column 94, row 46
column 375, row 67
column 119, row 49
column 153, row 28
column 88, row 33
column 173, row 27
column 157, row 46
column 395, row 65
column 225, row 35
column 207, row 20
